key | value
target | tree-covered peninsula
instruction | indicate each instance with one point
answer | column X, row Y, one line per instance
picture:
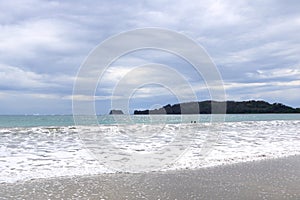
column 231, row 107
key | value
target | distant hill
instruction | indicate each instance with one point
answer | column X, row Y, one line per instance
column 232, row 107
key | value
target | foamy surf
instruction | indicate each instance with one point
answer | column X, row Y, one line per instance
column 45, row 152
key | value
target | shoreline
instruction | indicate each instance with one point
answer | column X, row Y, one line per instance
column 268, row 178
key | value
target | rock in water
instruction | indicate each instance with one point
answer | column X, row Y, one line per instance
column 116, row 112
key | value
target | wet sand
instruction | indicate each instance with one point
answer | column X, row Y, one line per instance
column 266, row 179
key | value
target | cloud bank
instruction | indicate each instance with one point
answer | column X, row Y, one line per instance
column 255, row 45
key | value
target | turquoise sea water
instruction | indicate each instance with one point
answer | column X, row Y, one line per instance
column 67, row 120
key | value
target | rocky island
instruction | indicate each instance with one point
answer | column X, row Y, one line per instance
column 116, row 112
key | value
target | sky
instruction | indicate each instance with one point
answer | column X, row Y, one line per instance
column 254, row 44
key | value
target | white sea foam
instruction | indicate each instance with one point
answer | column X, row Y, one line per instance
column 44, row 152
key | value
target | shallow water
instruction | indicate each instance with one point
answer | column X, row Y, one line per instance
column 51, row 151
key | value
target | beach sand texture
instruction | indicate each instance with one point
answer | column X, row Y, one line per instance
column 265, row 179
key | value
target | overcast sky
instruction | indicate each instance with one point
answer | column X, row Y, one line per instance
column 254, row 44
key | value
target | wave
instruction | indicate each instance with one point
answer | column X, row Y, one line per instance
column 44, row 152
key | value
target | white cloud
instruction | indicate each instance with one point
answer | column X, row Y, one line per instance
column 14, row 78
column 91, row 98
column 31, row 38
column 288, row 72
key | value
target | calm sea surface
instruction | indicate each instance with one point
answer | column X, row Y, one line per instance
column 67, row 120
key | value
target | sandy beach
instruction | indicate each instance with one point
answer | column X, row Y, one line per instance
column 266, row 179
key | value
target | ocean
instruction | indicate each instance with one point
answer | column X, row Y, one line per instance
column 37, row 146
